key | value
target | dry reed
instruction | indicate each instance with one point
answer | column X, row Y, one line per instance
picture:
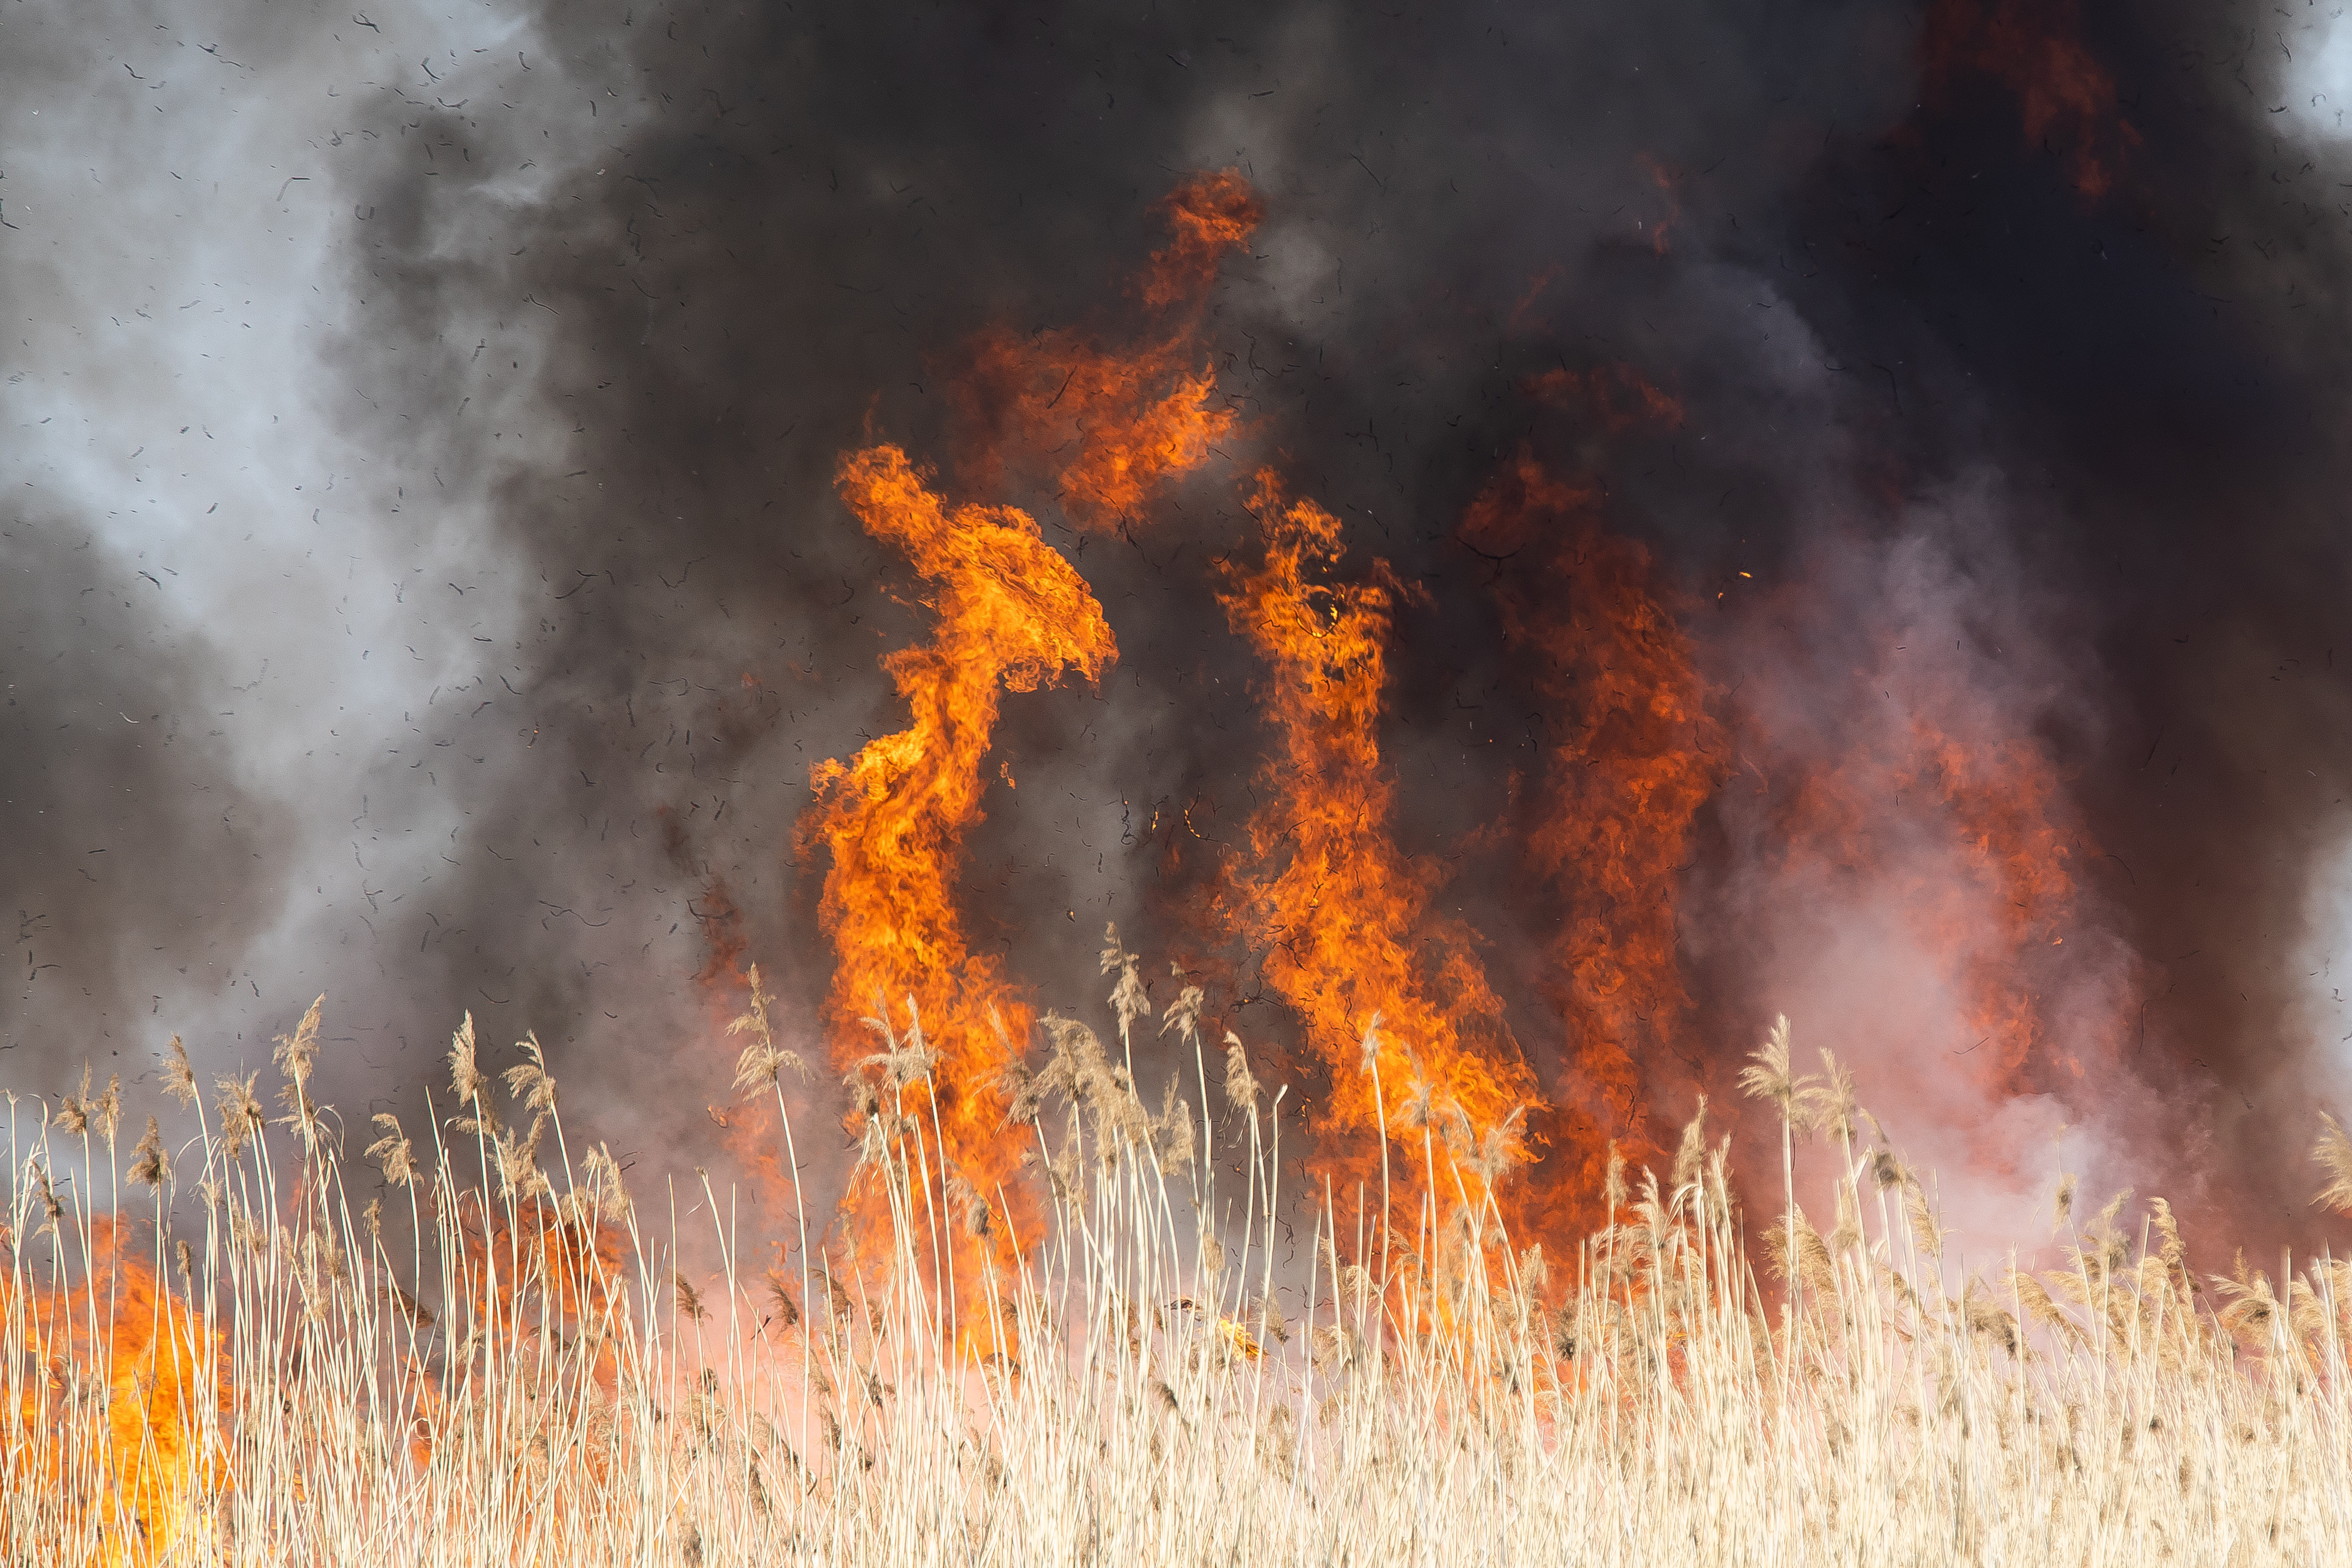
column 478, row 1349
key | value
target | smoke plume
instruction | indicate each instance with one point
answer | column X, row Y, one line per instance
column 1851, row 496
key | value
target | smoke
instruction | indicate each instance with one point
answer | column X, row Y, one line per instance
column 1905, row 873
column 427, row 585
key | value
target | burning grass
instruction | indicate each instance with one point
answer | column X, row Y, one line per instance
column 474, row 1343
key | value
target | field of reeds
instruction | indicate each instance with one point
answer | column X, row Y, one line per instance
column 266, row 1338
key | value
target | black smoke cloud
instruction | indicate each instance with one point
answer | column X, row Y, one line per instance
column 563, row 318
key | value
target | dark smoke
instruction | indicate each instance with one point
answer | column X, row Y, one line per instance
column 498, row 601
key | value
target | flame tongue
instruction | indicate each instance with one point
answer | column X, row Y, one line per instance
column 1207, row 216
column 139, row 1478
column 1344, row 915
column 1946, row 799
column 1104, row 427
column 1631, row 756
column 1012, row 614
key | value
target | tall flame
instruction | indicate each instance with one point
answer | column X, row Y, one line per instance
column 1013, row 615
column 1345, row 916
column 1106, row 427
column 146, row 1469
column 1630, row 754
column 2032, row 47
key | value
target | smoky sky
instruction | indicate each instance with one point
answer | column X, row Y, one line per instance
column 425, row 586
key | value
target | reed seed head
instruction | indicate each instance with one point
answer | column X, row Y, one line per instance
column 107, row 1113
column 1769, row 1077
column 530, row 1080
column 1832, row 1106
column 73, row 1111
column 2062, row 1205
column 1184, row 1013
column 240, row 1112
column 393, row 1152
column 2333, row 1153
column 466, row 1081
column 150, row 1166
column 1241, row 1088
column 296, row 1052
column 179, row 1076
column 1691, row 1155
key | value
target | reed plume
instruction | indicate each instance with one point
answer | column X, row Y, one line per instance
column 520, row 1363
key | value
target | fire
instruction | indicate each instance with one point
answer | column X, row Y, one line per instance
column 540, row 1270
column 1665, row 180
column 1345, row 916
column 1960, row 812
column 750, row 1130
column 1633, row 753
column 2062, row 91
column 1619, row 395
column 1904, row 862
column 1104, row 426
column 545, row 1263
column 1631, row 756
column 528, row 1263
column 145, row 1471
column 1012, row 614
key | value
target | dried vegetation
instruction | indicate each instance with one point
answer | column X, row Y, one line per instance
column 473, row 1345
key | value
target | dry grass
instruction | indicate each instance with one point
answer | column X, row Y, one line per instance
column 497, row 1357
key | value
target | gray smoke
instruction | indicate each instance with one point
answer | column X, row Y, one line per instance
column 426, row 584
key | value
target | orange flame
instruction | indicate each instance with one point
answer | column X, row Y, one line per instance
column 1344, row 916
column 750, row 1130
column 1013, row 615
column 145, row 1472
column 1665, row 181
column 1619, row 394
column 1107, row 425
column 1631, row 756
column 552, row 1262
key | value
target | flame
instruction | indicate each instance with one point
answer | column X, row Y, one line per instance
column 1012, row 614
column 1630, row 754
column 1617, row 393
column 750, row 1129
column 1523, row 318
column 1906, row 861
column 1963, row 816
column 2062, row 91
column 1665, row 180
column 1105, row 426
column 552, row 1262
column 1344, row 916
column 145, row 1472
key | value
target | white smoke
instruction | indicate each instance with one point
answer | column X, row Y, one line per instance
column 2316, row 73
column 291, row 507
